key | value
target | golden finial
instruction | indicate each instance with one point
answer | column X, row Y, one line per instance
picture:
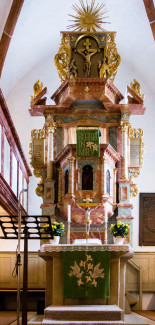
column 88, row 18
column 37, row 88
column 135, row 85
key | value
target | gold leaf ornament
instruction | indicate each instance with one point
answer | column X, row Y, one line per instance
column 63, row 57
column 135, row 85
column 113, row 58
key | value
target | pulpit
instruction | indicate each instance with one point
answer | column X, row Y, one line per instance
column 55, row 281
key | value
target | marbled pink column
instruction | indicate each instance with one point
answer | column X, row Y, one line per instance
column 71, row 175
column 124, row 129
column 103, row 176
column 50, row 156
column 114, row 184
column 59, row 185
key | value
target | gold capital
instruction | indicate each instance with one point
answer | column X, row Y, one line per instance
column 124, row 125
column 71, row 160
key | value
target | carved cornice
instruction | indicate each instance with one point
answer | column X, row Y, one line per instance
column 108, row 149
column 68, row 90
column 66, row 152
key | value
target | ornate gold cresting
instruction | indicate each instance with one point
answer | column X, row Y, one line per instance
column 135, row 85
column 37, row 88
column 38, row 134
column 135, row 133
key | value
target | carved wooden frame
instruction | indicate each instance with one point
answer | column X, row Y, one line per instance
column 147, row 219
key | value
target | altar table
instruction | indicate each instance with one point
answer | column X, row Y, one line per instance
column 54, row 273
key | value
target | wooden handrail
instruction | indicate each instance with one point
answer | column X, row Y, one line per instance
column 139, row 270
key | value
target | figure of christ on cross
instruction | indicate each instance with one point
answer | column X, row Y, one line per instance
column 87, row 210
column 87, row 53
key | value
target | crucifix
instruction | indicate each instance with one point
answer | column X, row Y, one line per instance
column 87, row 53
column 88, row 210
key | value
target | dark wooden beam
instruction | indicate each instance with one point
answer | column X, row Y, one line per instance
column 150, row 10
column 9, row 29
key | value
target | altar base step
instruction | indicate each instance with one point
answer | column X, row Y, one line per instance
column 83, row 315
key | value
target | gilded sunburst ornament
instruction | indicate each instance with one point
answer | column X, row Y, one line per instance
column 88, row 17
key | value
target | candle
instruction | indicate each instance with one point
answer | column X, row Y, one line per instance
column 105, row 225
column 69, row 213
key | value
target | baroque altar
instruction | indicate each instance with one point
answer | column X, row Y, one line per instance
column 87, row 155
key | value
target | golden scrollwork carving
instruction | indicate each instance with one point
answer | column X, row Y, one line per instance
column 38, row 173
column 38, row 134
column 135, row 133
column 37, row 88
column 62, row 58
column 135, row 172
column 133, row 191
column 40, row 187
column 40, row 190
column 135, row 85
column 113, row 59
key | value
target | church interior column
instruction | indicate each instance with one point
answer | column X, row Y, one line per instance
column 59, row 185
column 103, row 176
column 71, row 175
column 50, row 155
column 114, row 184
column 124, row 171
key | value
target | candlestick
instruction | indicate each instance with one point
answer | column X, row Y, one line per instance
column 69, row 212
